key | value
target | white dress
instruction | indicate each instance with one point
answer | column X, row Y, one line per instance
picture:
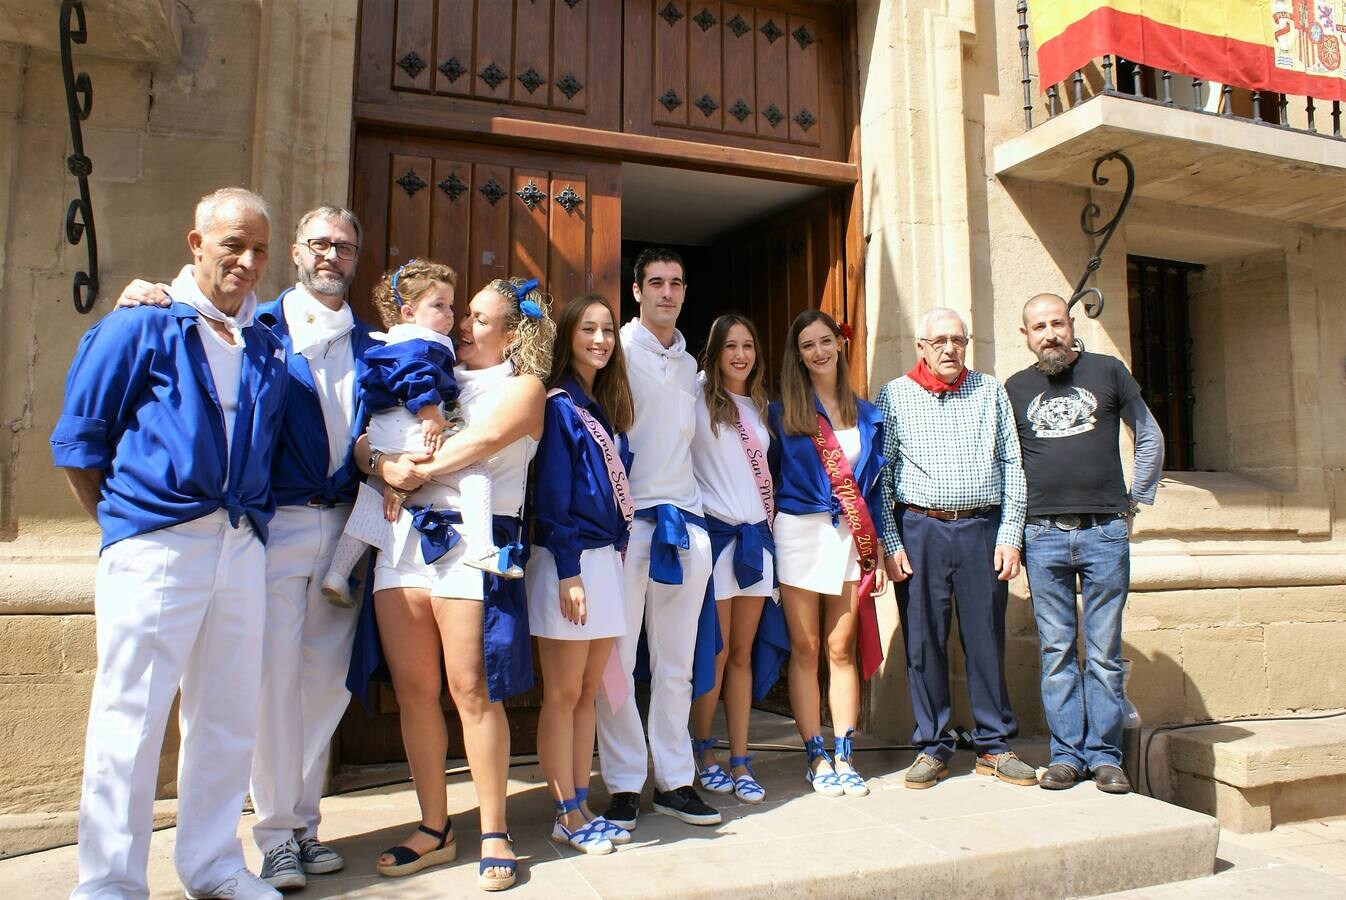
column 404, row 565
column 728, row 489
column 811, row 552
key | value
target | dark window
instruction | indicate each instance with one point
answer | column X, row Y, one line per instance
column 1161, row 350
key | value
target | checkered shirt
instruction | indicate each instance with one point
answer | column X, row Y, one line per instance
column 956, row 451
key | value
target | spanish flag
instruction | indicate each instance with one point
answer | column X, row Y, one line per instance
column 1287, row 46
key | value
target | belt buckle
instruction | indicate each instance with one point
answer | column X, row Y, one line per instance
column 1067, row 522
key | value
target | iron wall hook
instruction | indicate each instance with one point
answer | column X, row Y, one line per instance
column 79, row 103
column 1093, row 308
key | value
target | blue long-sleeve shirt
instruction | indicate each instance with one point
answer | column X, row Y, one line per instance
column 802, row 486
column 299, row 469
column 573, row 507
column 141, row 406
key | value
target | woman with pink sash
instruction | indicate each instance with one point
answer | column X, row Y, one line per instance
column 826, row 458
column 729, row 455
column 582, row 514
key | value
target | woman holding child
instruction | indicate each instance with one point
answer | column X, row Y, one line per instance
column 826, row 459
column 436, row 613
column 582, row 513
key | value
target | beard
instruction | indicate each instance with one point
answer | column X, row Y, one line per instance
column 329, row 284
column 1053, row 360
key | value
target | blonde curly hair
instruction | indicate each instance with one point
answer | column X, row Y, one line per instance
column 414, row 279
column 530, row 349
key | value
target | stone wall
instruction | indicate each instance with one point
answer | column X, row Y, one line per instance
column 172, row 119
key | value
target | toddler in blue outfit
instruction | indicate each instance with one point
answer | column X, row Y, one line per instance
column 410, row 387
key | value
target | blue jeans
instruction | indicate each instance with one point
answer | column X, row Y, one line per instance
column 1083, row 710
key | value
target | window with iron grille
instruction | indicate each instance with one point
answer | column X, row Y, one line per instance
column 1161, row 350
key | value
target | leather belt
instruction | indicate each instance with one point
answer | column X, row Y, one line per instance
column 1072, row 521
column 949, row 515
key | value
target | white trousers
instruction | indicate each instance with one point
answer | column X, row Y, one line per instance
column 306, row 651
column 178, row 606
column 669, row 613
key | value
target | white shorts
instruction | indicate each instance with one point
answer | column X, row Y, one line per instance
column 601, row 574
column 726, row 583
column 813, row 554
column 404, row 566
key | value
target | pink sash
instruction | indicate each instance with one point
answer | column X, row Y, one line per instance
column 752, row 449
column 621, row 484
column 866, row 536
column 614, row 685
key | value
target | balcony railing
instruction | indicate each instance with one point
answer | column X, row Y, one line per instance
column 1117, row 77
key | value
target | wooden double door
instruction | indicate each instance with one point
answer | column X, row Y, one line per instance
column 490, row 135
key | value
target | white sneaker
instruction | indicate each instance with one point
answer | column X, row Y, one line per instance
column 337, row 590
column 242, row 885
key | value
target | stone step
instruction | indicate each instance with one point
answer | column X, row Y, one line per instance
column 1255, row 775
column 969, row 836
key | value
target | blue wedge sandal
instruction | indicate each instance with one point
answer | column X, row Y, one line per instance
column 496, row 882
column 408, row 862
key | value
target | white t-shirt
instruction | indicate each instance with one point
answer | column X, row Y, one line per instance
column 663, row 388
column 323, row 337
column 849, row 441
column 226, row 370
column 728, row 489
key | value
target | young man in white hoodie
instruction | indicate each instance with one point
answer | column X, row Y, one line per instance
column 668, row 558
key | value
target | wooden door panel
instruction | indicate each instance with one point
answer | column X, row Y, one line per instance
column 472, row 59
column 488, row 212
column 765, row 76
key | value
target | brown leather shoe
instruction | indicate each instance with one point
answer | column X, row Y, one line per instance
column 1059, row 776
column 1111, row 780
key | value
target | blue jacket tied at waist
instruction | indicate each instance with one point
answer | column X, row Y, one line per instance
column 754, row 539
column 670, row 536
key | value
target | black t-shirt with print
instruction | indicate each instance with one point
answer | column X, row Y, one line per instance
column 1068, row 430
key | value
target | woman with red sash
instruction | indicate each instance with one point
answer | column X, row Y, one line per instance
column 730, row 461
column 582, row 513
column 826, row 459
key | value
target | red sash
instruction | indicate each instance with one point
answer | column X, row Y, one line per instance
column 856, row 515
column 752, row 449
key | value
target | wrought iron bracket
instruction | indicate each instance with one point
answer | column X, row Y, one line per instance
column 79, row 103
column 1094, row 308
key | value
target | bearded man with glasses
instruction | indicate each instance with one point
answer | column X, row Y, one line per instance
column 307, row 641
column 952, row 521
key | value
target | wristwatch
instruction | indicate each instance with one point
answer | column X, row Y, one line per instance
column 374, row 457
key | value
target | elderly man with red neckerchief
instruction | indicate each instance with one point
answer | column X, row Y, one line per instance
column 952, row 521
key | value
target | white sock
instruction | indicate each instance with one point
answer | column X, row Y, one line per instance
column 348, row 552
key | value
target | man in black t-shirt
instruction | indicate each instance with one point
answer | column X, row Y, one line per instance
column 1069, row 407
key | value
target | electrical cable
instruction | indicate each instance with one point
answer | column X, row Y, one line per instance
column 1145, row 754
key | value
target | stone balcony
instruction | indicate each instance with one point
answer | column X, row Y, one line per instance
column 1189, row 157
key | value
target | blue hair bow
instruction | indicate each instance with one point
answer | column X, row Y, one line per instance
column 397, row 297
column 528, row 307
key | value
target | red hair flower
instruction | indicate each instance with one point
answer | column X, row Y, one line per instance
column 846, row 331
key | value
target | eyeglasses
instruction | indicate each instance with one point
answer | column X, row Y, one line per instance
column 320, row 246
column 940, row 343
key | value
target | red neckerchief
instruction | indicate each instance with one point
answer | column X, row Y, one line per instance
column 926, row 378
